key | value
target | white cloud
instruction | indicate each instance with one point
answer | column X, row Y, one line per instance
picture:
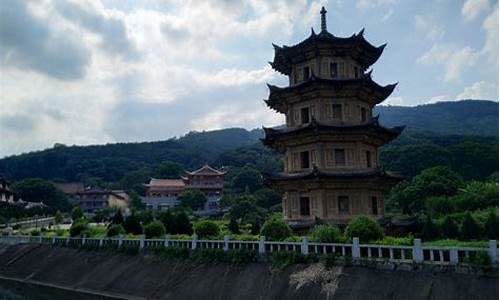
column 490, row 48
column 481, row 90
column 235, row 77
column 472, row 8
column 387, row 15
column 431, row 29
column 368, row 4
column 455, row 60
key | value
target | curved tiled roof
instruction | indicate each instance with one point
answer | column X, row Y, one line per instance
column 355, row 46
column 377, row 93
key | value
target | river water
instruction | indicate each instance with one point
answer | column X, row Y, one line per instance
column 13, row 290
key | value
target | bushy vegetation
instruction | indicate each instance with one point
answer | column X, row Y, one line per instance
column 365, row 229
column 155, row 229
column 326, row 234
column 78, row 227
column 114, row 230
column 206, row 228
column 275, row 229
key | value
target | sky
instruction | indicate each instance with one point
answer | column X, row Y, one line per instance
column 96, row 72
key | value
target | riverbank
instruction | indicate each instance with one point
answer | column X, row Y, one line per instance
column 144, row 276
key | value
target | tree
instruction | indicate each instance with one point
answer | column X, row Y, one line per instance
column 275, row 229
column 437, row 181
column 182, row 224
column 470, row 229
column 449, row 228
column 193, row 199
column 491, row 226
column 233, row 226
column 168, row 220
column 135, row 201
column 325, row 234
column 58, row 217
column 206, row 228
column 154, row 229
column 430, row 230
column 39, row 190
column 365, row 229
column 78, row 227
column 133, row 225
column 267, row 198
column 117, row 218
column 438, row 205
column 114, row 230
column 247, row 179
column 168, row 170
column 76, row 213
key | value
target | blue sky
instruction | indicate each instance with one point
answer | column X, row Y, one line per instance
column 92, row 72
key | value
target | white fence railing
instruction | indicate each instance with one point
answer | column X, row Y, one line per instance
column 404, row 254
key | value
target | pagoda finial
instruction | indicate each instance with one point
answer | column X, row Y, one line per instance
column 323, row 19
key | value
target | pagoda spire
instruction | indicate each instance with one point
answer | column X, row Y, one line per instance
column 323, row 19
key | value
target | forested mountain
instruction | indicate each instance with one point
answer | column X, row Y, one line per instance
column 470, row 117
column 465, row 147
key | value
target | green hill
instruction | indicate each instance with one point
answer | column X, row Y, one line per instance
column 426, row 125
column 470, row 117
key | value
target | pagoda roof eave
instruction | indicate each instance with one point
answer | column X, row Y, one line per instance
column 369, row 53
column 365, row 82
column 316, row 173
column 316, row 126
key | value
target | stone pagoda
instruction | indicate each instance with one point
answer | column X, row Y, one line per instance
column 331, row 139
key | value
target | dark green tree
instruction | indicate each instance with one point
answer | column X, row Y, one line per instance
column 168, row 170
column 117, row 218
column 133, row 225
column 233, row 226
column 470, row 229
column 267, row 198
column 449, row 229
column 76, row 213
column 182, row 223
column 39, row 190
column 491, row 226
column 430, row 230
column 135, row 201
column 247, row 179
column 58, row 217
column 193, row 199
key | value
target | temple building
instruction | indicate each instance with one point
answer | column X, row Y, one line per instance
column 163, row 193
column 331, row 138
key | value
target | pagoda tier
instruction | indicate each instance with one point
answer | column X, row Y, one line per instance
column 363, row 89
column 369, row 133
column 326, row 44
column 316, row 178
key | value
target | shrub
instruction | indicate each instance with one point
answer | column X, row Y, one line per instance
column 449, row 228
column 114, row 230
column 233, row 226
column 470, row 229
column 76, row 213
column 206, row 228
column 132, row 225
column 365, row 229
column 117, row 218
column 35, row 233
column 491, row 226
column 430, row 230
column 325, row 234
column 154, row 229
column 77, row 228
column 58, row 217
column 275, row 229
